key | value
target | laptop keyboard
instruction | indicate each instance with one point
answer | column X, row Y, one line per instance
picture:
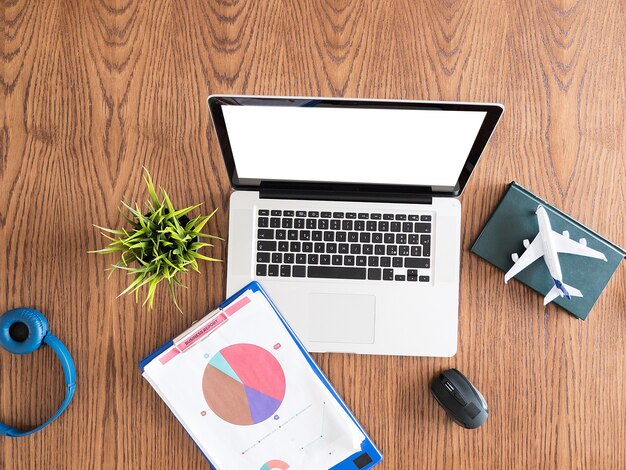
column 344, row 245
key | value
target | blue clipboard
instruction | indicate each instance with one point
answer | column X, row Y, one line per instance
column 368, row 456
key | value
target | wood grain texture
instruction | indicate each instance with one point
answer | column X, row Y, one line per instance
column 93, row 91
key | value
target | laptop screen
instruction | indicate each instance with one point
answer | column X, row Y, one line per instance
column 352, row 142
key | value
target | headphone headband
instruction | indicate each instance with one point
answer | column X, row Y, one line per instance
column 22, row 331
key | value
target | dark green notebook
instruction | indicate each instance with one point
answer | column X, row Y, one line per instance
column 514, row 220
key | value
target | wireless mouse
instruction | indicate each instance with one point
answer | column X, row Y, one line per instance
column 461, row 400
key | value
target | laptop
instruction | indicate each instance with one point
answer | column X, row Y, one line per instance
column 346, row 212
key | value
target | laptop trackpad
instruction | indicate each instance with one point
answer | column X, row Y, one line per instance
column 341, row 318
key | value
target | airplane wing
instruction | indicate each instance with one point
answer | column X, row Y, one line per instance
column 532, row 253
column 564, row 244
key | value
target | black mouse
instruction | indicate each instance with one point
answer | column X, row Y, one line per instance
column 461, row 400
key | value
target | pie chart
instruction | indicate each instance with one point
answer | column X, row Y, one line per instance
column 243, row 384
column 275, row 465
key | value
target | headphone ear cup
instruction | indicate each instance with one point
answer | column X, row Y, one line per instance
column 34, row 321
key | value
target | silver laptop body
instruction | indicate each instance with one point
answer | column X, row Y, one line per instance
column 345, row 211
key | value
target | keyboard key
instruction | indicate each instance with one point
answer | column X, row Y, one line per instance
column 404, row 250
column 300, row 258
column 314, row 214
column 379, row 250
column 337, row 215
column 273, row 270
column 364, row 215
column 416, row 251
column 288, row 213
column 335, row 224
column 426, row 251
column 283, row 246
column 274, row 223
column 261, row 270
column 397, row 262
column 344, row 248
column 372, row 261
column 292, row 234
column 387, row 274
column 348, row 260
column 324, row 259
column 374, row 274
column 305, row 235
column 371, row 226
column 359, row 225
column 311, row 224
column 421, row 227
column 425, row 239
column 300, row 213
column 383, row 226
column 385, row 261
column 368, row 249
column 322, row 224
column 387, row 216
column 285, row 270
column 334, row 272
column 336, row 260
column 317, row 235
column 277, row 258
column 289, row 258
column 263, row 257
column 355, row 249
column 347, row 224
column 353, row 237
column 396, row 226
column 392, row 250
column 401, row 238
column 341, row 236
column 280, row 234
column 264, row 212
column 266, row 246
column 420, row 263
column 400, row 277
column 265, row 234
column 298, row 271
column 318, row 247
column 411, row 278
column 299, row 223
column 375, row 216
column 329, row 236
column 313, row 259
column 414, row 217
column 407, row 227
column 411, row 272
column 287, row 223
column 294, row 247
column 331, row 248
column 327, row 215
column 377, row 237
column 424, row 278
column 263, row 222
column 307, row 247
column 400, row 216
column 364, row 237
column 414, row 239
column 361, row 260
column 426, row 218
column 389, row 238
column 276, row 212
column 351, row 215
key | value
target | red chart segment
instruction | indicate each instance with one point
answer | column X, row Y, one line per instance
column 244, row 384
column 256, row 368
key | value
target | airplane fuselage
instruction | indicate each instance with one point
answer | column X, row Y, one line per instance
column 549, row 249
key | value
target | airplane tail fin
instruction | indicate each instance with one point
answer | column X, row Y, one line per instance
column 560, row 288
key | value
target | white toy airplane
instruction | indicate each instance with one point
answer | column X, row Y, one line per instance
column 548, row 244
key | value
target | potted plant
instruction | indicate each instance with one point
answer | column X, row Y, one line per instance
column 160, row 244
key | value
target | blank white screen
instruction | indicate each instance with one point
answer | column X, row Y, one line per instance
column 351, row 145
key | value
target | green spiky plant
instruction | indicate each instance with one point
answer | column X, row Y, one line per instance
column 160, row 245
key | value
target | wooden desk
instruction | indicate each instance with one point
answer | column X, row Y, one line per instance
column 90, row 94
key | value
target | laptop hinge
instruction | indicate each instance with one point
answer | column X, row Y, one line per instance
column 344, row 195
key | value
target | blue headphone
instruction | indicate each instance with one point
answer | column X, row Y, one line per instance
column 22, row 331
